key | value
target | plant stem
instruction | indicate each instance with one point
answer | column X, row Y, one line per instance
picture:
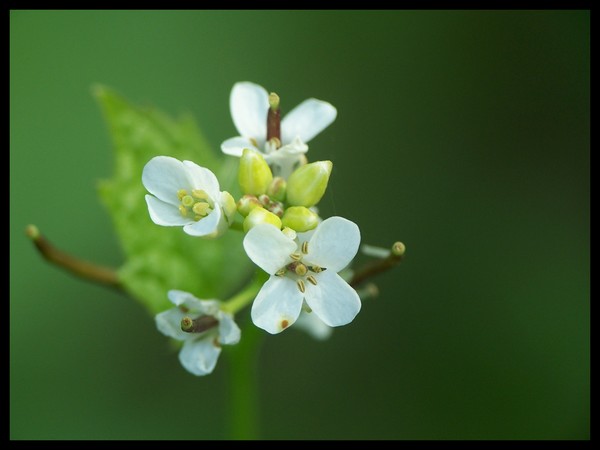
column 78, row 267
column 243, row 368
column 395, row 255
column 243, row 298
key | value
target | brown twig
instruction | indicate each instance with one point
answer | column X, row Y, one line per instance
column 82, row 269
column 381, row 265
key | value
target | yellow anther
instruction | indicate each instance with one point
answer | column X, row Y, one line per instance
column 181, row 193
column 275, row 143
column 199, row 194
column 305, row 247
column 280, row 272
column 296, row 256
column 197, row 217
column 316, row 269
column 301, row 286
column 187, row 201
column 312, row 279
column 183, row 210
column 201, row 208
column 254, row 142
column 301, row 270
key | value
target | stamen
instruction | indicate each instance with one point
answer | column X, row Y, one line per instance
column 284, row 324
column 312, row 279
column 301, row 286
column 200, row 194
column 183, row 211
column 280, row 272
column 201, row 208
column 305, row 247
column 316, row 269
column 187, row 201
column 275, row 142
column 254, row 142
column 300, row 269
column 181, row 193
column 296, row 256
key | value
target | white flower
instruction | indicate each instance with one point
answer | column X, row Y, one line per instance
column 214, row 327
column 249, row 104
column 304, row 270
column 185, row 194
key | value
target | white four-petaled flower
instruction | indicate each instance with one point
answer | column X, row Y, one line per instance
column 185, row 194
column 200, row 350
column 249, row 104
column 304, row 270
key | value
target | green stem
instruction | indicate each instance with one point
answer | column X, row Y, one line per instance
column 243, row 368
column 243, row 298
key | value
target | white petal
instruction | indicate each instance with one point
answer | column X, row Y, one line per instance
column 277, row 305
column 199, row 356
column 207, row 226
column 184, row 298
column 314, row 326
column 163, row 176
column 333, row 300
column 249, row 104
column 334, row 243
column 169, row 323
column 307, row 120
column 268, row 247
column 229, row 332
column 164, row 214
column 202, row 178
column 235, row 146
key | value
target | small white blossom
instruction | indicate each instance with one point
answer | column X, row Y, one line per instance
column 201, row 349
column 185, row 194
column 249, row 104
column 304, row 271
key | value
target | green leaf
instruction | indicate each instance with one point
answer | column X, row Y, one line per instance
column 157, row 258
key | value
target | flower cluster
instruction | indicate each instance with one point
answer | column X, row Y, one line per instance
column 284, row 234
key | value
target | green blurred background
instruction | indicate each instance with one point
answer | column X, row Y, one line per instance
column 464, row 134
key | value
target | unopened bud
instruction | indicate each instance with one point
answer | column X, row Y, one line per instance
column 247, row 203
column 260, row 215
column 228, row 205
column 254, row 173
column 307, row 184
column 300, row 219
column 277, row 189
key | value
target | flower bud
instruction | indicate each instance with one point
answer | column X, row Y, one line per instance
column 299, row 218
column 260, row 215
column 307, row 184
column 246, row 204
column 254, row 174
column 228, row 204
column 277, row 189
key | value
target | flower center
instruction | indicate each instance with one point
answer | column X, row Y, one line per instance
column 300, row 271
column 195, row 205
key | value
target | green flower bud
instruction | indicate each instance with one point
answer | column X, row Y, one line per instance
column 299, row 218
column 277, row 189
column 246, row 204
column 228, row 204
column 254, row 174
column 260, row 215
column 307, row 184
